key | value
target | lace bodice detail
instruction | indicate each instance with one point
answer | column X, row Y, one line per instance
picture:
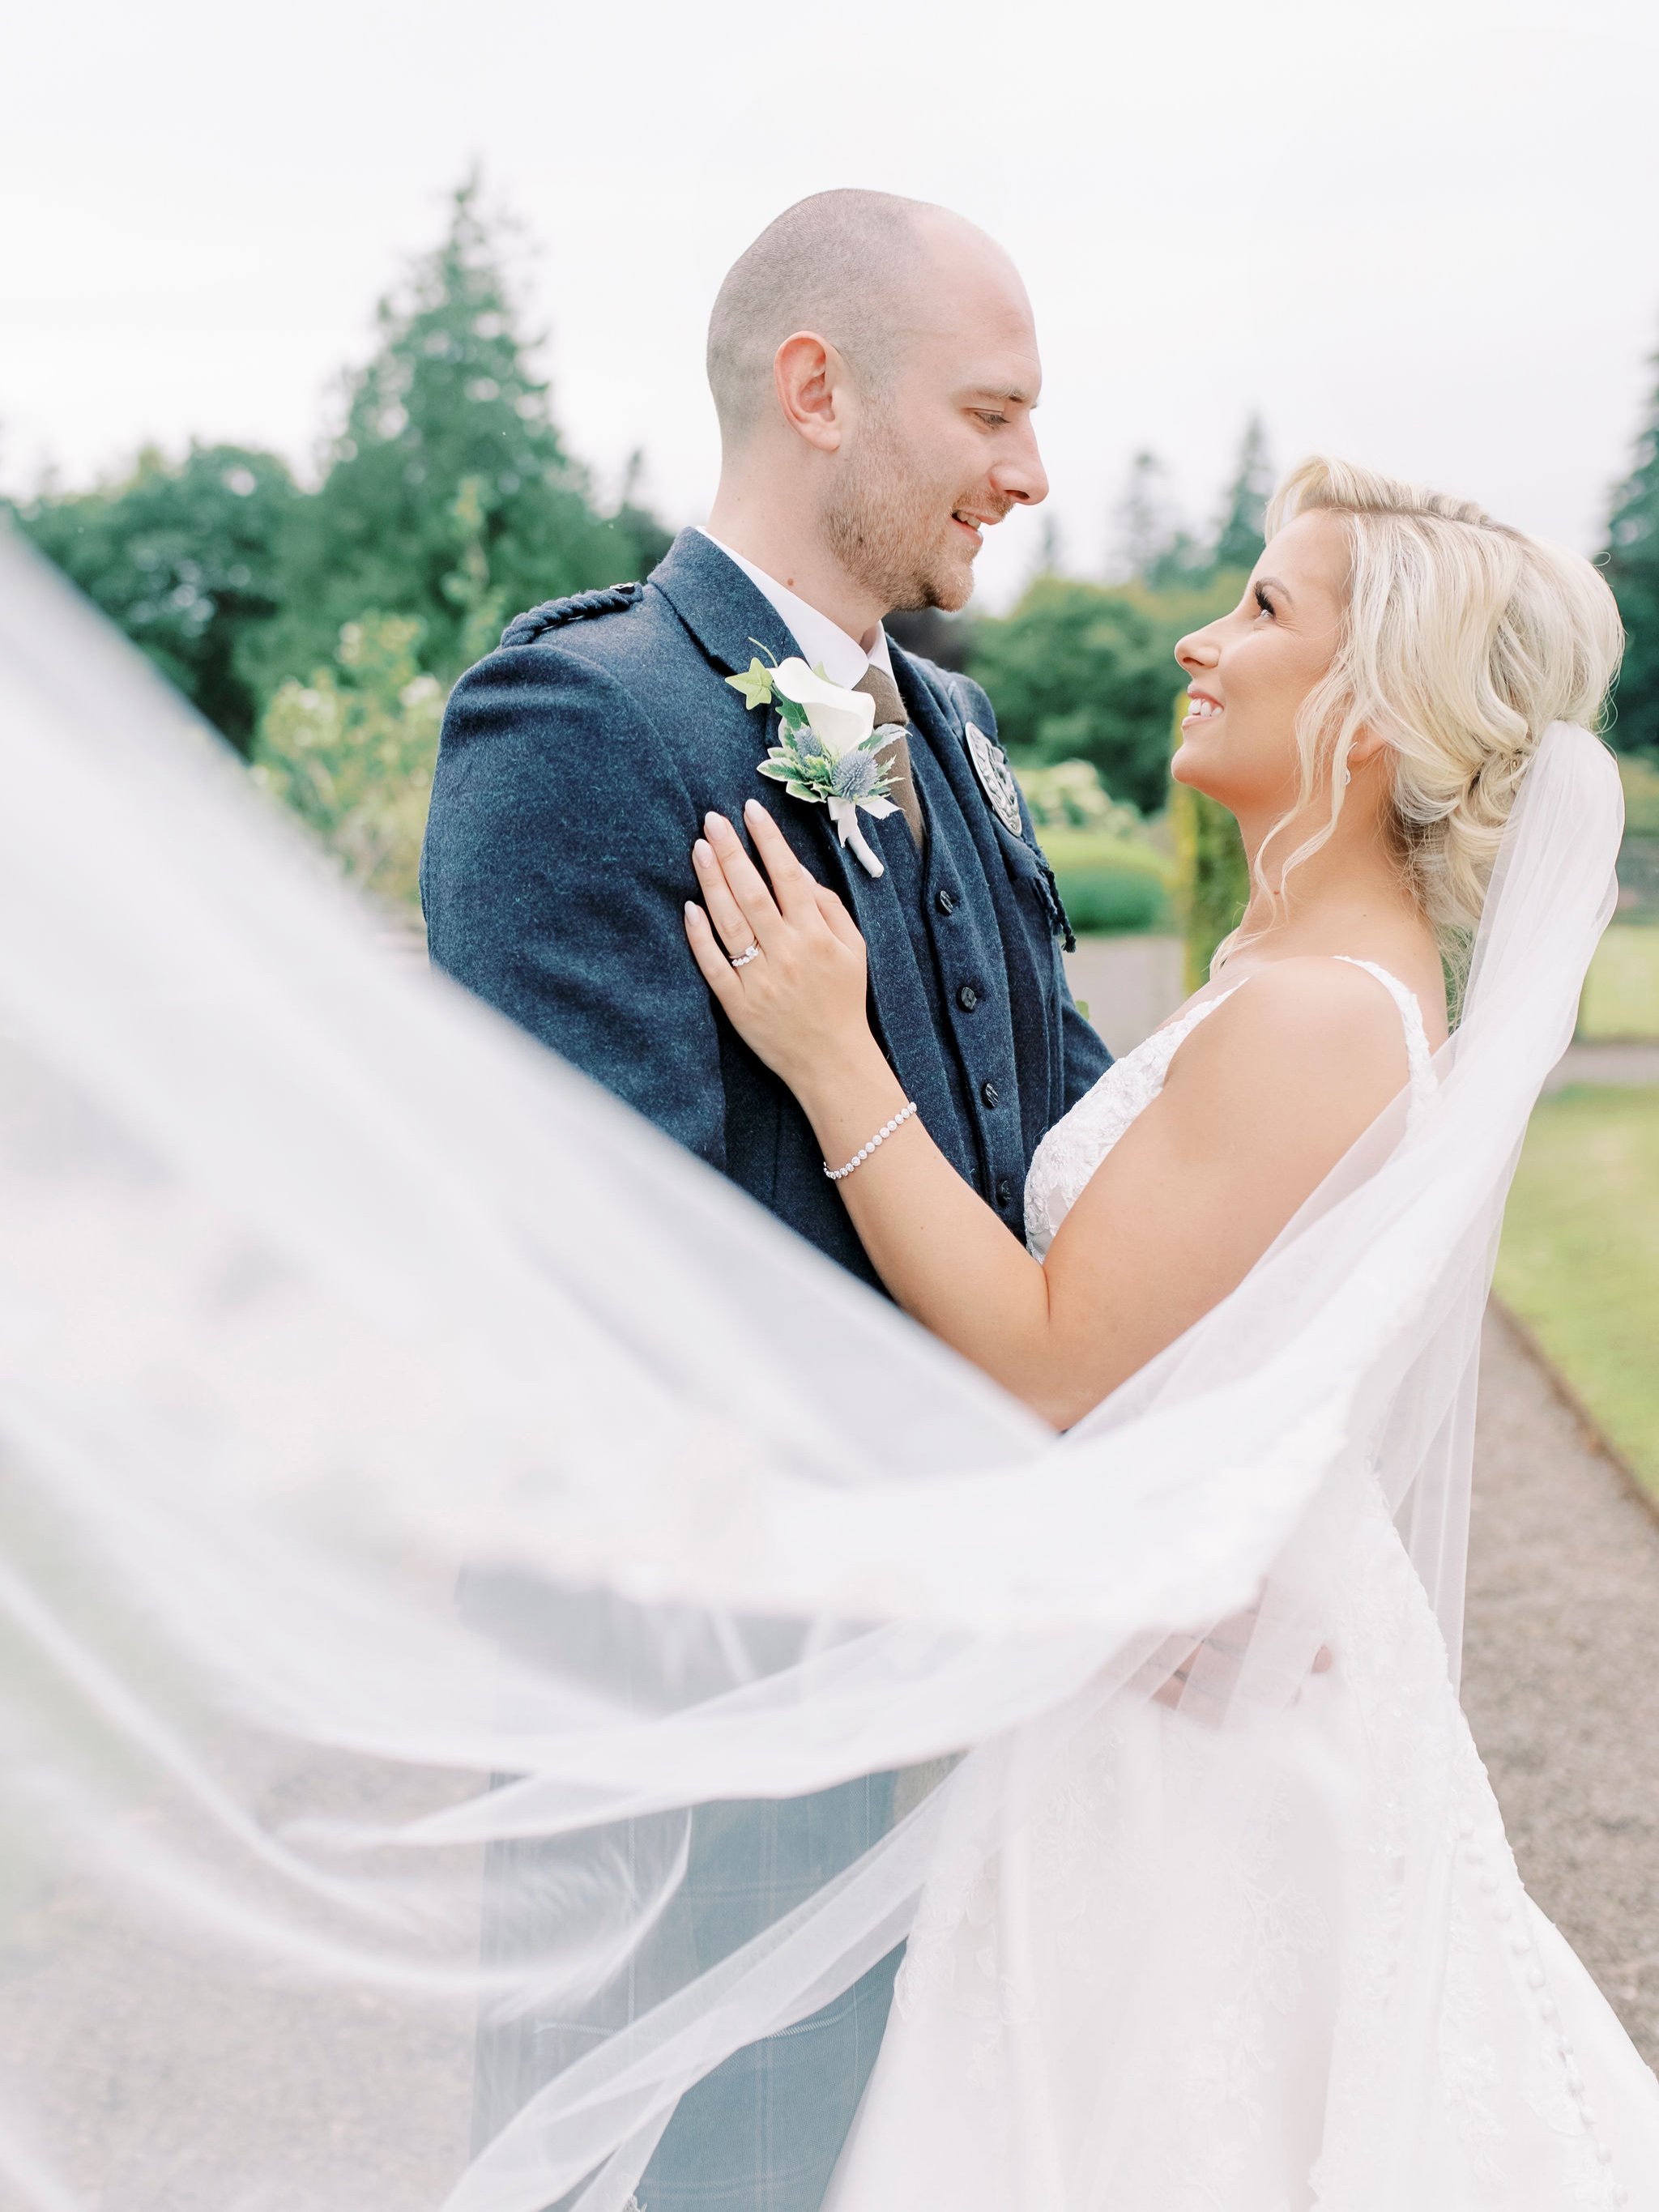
column 1071, row 1152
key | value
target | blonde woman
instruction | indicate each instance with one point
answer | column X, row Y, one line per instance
column 1287, row 1961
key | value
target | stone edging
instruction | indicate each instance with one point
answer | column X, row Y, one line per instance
column 1594, row 1434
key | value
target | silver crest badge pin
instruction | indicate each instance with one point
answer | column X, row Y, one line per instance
column 996, row 779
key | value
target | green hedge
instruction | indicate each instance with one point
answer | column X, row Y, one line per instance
column 1110, row 886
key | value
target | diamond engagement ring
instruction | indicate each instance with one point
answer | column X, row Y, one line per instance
column 742, row 959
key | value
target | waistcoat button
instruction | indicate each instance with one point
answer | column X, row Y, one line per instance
column 990, row 1093
column 967, row 997
column 1005, row 1193
column 945, row 903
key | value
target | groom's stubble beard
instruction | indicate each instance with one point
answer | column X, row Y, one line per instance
column 886, row 524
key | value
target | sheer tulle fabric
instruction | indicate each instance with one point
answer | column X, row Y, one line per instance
column 407, row 1450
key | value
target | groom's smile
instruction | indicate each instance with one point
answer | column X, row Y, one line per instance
column 977, row 522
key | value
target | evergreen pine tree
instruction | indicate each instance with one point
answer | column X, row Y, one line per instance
column 449, row 495
column 1239, row 537
column 1146, row 530
column 1632, row 569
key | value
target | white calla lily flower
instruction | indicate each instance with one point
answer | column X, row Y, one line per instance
column 840, row 719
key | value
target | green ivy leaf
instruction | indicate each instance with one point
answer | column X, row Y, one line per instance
column 755, row 684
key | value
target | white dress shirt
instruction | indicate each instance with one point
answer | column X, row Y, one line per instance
column 824, row 644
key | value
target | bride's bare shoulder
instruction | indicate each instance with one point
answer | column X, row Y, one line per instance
column 1305, row 1028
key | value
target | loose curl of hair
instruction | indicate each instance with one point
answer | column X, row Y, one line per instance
column 1462, row 640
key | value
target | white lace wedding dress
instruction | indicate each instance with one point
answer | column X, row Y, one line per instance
column 1250, row 1970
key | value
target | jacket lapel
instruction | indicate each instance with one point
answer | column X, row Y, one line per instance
column 719, row 605
column 729, row 618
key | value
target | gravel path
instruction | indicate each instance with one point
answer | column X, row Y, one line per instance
column 1561, row 1674
column 1627, row 1066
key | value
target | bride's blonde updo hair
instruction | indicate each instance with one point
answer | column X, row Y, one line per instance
column 1462, row 640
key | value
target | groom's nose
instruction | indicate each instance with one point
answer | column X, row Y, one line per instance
column 1019, row 475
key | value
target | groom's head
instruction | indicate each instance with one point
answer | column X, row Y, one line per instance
column 875, row 358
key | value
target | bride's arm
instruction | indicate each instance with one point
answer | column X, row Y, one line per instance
column 1260, row 1103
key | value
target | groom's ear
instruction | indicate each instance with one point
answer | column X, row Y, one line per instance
column 812, row 387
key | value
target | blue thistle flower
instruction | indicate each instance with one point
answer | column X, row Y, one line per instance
column 857, row 775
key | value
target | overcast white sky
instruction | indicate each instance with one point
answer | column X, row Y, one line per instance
column 1424, row 233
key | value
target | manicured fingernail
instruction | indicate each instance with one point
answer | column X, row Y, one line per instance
column 752, row 807
column 713, row 824
column 702, row 853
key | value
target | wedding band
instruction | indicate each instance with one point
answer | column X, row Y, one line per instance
column 744, row 958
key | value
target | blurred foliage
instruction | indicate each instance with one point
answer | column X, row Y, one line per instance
column 447, row 498
column 1640, row 778
column 1631, row 563
column 352, row 752
column 1070, row 795
column 190, row 558
column 1080, row 669
column 1212, row 877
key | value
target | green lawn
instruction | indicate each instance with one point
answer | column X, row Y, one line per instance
column 1580, row 1257
column 1621, row 993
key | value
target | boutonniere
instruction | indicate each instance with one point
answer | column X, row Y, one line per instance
column 827, row 745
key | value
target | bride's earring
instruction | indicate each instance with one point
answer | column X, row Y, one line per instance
column 1347, row 775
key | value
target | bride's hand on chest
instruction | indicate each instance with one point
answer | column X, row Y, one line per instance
column 782, row 955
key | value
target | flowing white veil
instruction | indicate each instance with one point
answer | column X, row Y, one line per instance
column 424, row 1486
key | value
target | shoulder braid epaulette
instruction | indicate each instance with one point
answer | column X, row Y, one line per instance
column 580, row 606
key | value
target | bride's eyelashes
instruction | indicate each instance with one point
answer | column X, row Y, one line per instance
column 1264, row 603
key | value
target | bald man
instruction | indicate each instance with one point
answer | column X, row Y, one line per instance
column 874, row 369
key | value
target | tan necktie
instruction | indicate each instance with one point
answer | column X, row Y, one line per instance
column 895, row 756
